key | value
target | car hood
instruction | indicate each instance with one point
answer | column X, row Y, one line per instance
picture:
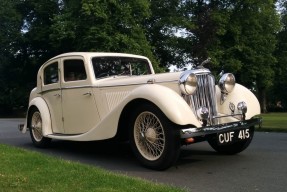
column 136, row 80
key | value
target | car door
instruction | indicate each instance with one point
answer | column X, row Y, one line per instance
column 80, row 112
column 51, row 92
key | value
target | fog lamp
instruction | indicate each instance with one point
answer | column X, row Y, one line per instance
column 242, row 107
column 203, row 113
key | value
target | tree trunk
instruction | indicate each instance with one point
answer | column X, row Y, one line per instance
column 262, row 99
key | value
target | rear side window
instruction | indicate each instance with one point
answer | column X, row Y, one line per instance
column 51, row 74
column 74, row 70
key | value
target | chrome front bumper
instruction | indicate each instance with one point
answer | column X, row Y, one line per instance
column 202, row 131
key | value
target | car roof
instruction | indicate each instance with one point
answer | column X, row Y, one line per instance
column 97, row 54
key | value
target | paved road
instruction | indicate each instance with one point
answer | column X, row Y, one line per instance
column 262, row 167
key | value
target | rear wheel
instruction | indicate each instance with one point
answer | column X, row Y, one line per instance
column 154, row 139
column 36, row 131
column 233, row 148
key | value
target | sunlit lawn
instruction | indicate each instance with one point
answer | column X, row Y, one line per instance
column 274, row 122
column 25, row 171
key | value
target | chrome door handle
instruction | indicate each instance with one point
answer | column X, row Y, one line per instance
column 57, row 95
column 89, row 93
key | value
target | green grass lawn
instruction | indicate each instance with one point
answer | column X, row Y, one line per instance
column 273, row 122
column 25, row 171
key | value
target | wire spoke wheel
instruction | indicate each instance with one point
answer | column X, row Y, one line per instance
column 154, row 139
column 36, row 126
column 149, row 136
column 36, row 129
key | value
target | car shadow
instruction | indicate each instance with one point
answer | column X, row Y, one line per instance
column 112, row 155
column 190, row 156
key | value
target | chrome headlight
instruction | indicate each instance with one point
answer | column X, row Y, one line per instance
column 227, row 82
column 188, row 83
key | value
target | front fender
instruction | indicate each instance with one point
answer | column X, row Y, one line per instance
column 42, row 106
column 171, row 103
column 239, row 93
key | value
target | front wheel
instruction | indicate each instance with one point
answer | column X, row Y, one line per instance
column 234, row 148
column 36, row 131
column 154, row 139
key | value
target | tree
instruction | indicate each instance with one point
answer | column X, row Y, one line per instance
column 252, row 29
column 10, row 35
column 185, row 31
column 37, row 21
column 107, row 25
column 164, row 32
column 24, row 46
column 207, row 20
column 280, row 81
column 238, row 35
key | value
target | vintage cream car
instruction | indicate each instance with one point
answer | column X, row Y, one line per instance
column 96, row 96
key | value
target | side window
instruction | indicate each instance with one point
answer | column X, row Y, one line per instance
column 51, row 74
column 74, row 70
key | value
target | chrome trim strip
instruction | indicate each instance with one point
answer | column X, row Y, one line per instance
column 196, row 71
column 67, row 87
column 233, row 115
column 47, row 91
column 176, row 81
column 77, row 87
column 156, row 82
column 99, row 86
column 202, row 131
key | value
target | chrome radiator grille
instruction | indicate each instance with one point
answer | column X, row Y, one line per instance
column 204, row 96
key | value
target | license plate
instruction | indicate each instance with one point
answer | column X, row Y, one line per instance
column 233, row 136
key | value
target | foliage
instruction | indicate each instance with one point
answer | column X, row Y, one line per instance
column 163, row 27
column 243, row 37
column 280, row 81
column 239, row 36
column 108, row 25
column 254, row 44
column 10, row 38
column 39, row 30
column 206, row 20
column 24, row 171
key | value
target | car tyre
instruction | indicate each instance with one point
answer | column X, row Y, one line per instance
column 154, row 139
column 231, row 149
column 36, row 131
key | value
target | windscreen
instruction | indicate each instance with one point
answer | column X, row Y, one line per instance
column 116, row 66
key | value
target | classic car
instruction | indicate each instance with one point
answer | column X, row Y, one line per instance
column 90, row 96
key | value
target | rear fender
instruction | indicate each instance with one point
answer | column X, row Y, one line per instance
column 42, row 106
